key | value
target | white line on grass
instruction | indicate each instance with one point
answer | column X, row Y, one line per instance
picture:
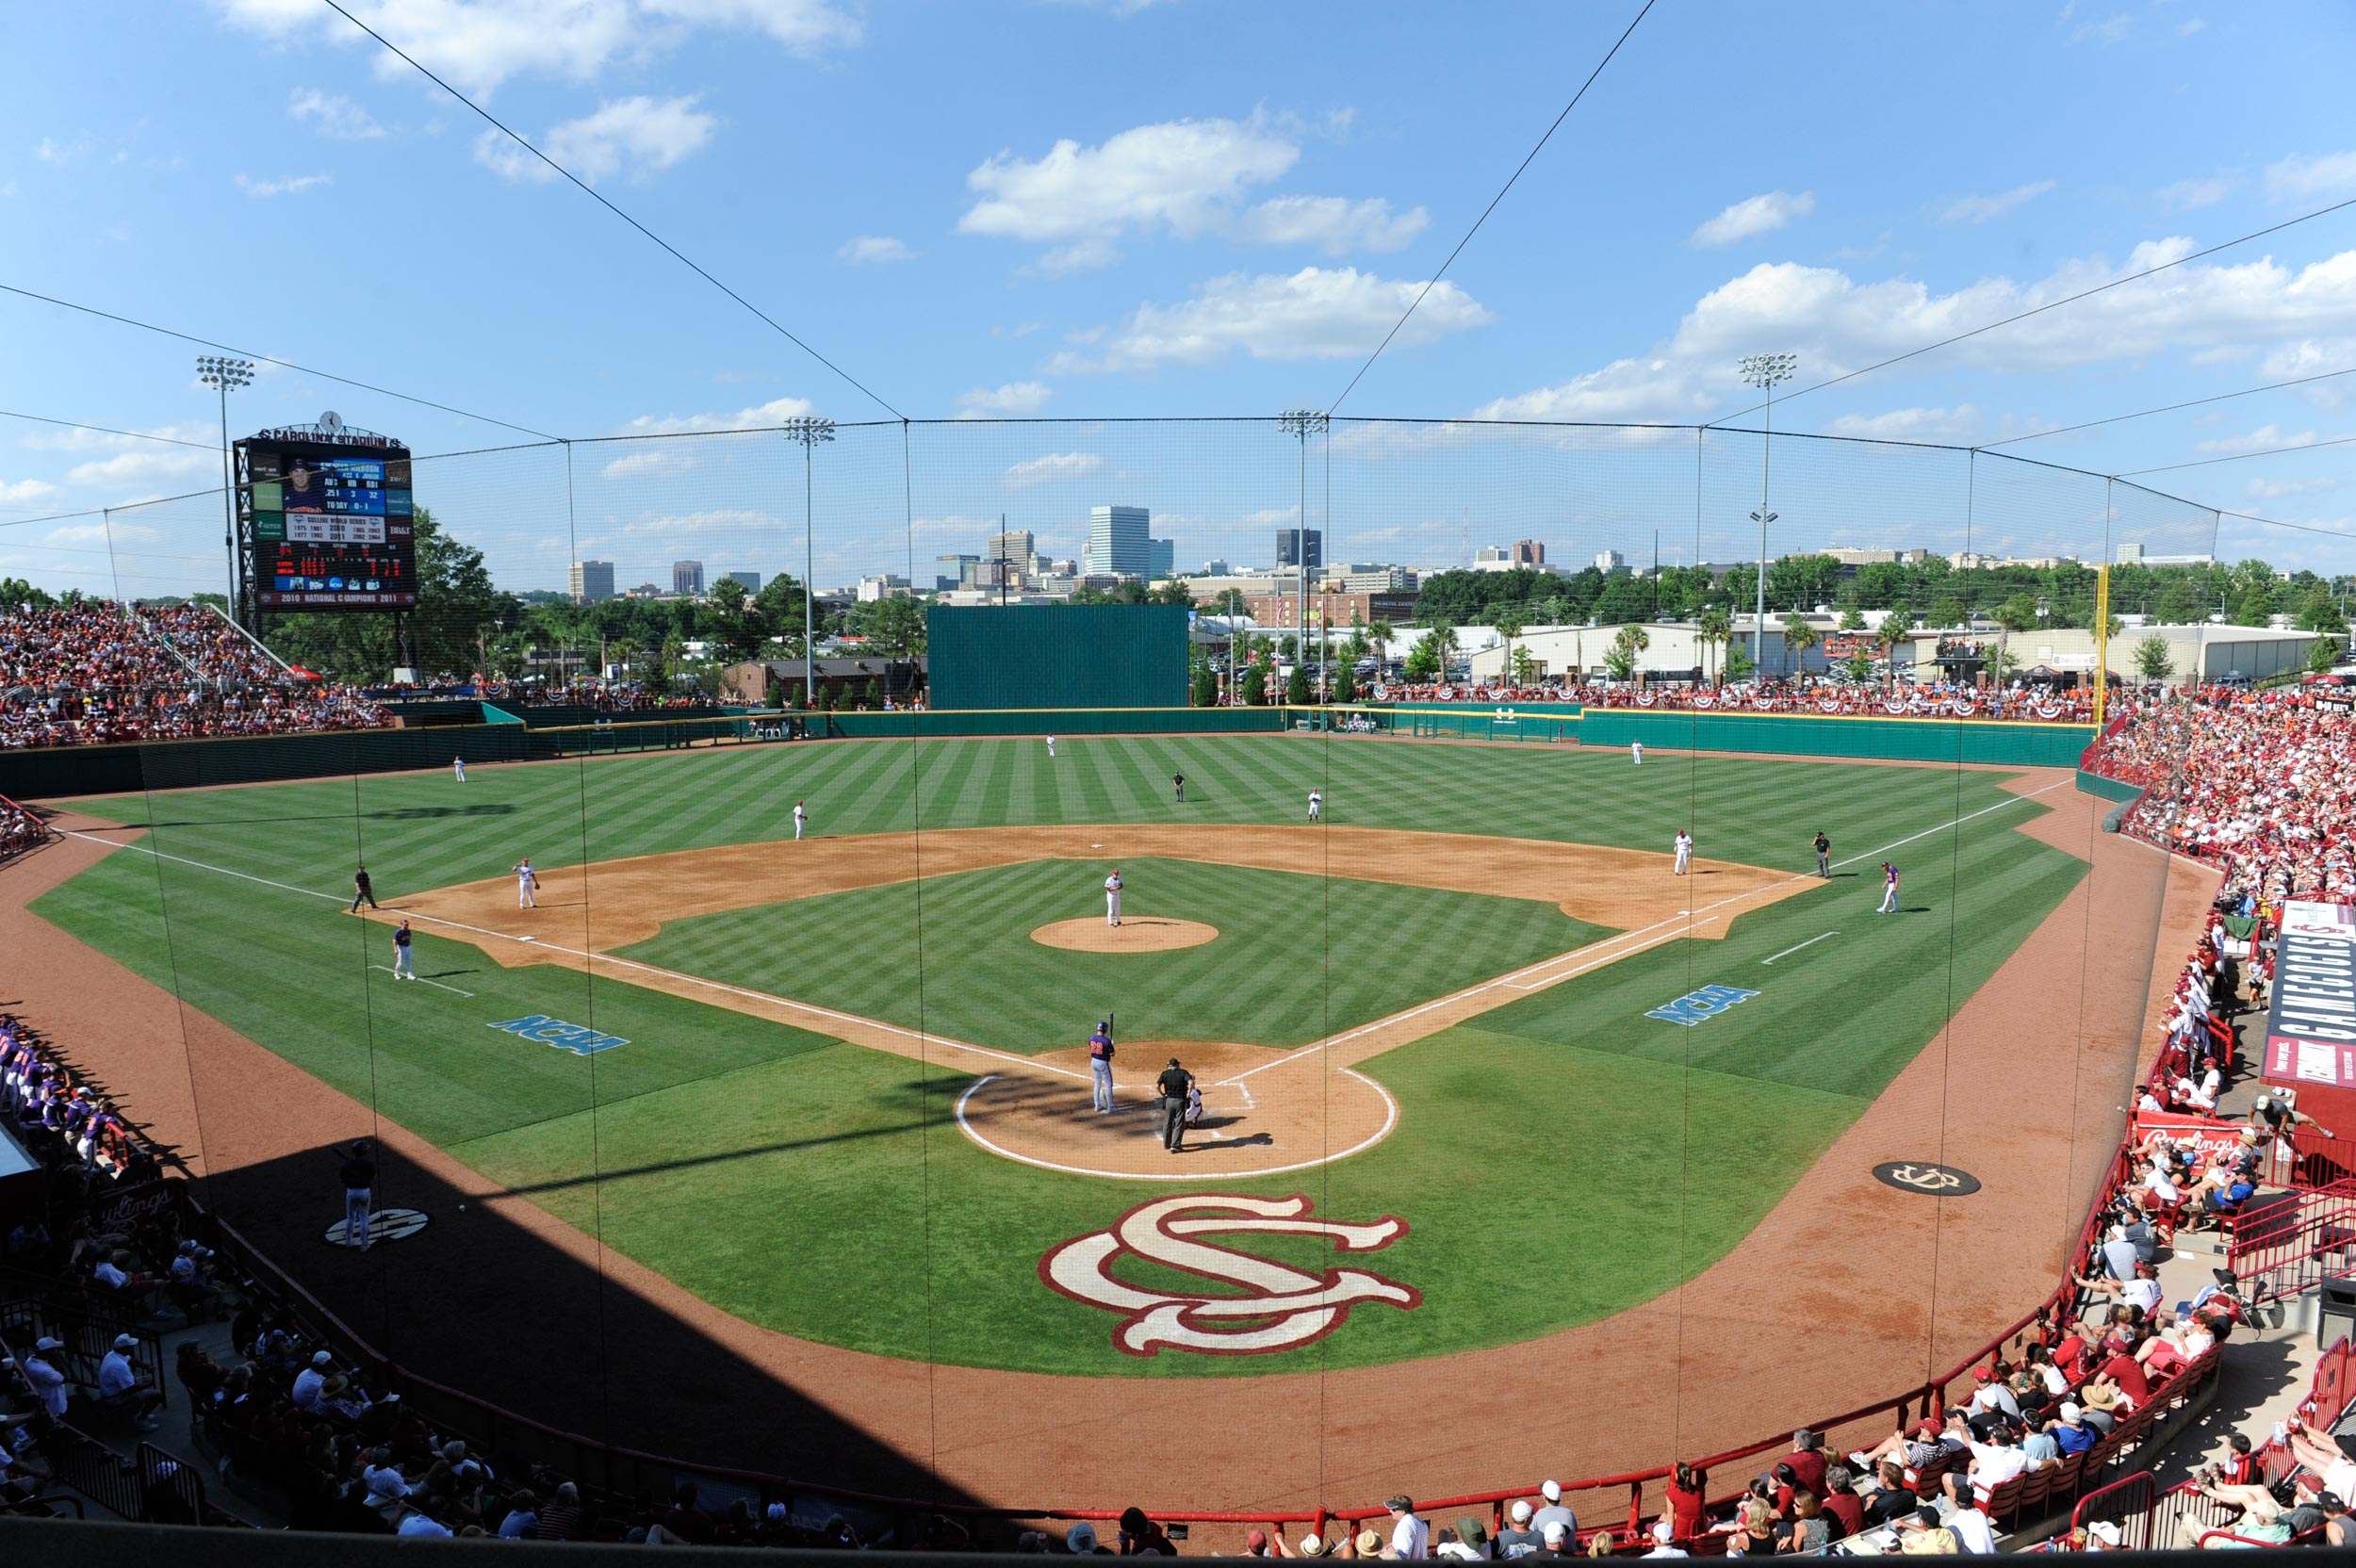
column 382, row 970
column 1789, row 950
column 626, row 963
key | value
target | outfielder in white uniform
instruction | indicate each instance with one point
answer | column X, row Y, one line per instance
column 458, row 766
column 526, row 882
column 1317, row 805
column 1685, row 851
column 1051, row 748
column 1112, row 898
column 1636, row 752
column 797, row 821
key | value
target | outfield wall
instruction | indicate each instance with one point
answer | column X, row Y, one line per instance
column 2019, row 744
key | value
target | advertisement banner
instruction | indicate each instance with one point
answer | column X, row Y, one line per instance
column 2205, row 1135
column 2311, row 1022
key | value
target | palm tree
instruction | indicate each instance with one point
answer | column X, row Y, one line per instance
column 1797, row 636
column 1379, row 639
column 2017, row 613
column 1712, row 630
column 1626, row 643
column 1508, row 626
column 1894, row 629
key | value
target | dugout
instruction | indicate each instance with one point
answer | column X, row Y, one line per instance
column 1057, row 656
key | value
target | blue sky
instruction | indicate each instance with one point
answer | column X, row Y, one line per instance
column 1058, row 210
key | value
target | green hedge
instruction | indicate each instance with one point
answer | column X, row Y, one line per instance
column 2019, row 744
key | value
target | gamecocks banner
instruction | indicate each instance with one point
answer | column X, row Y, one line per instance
column 2310, row 1026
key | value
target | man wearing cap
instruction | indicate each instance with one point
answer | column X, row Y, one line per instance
column 1172, row 1085
column 1664, row 1540
column 311, row 1381
column 359, row 1174
column 1960, row 1513
column 1517, row 1539
column 121, row 1389
column 1554, row 1512
column 1554, row 1540
column 48, row 1383
column 1411, row 1538
column 1101, row 1065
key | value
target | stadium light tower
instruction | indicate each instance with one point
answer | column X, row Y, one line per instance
column 1303, row 423
column 221, row 375
column 808, row 432
column 1765, row 371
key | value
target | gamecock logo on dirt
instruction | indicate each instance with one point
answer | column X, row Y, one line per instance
column 1253, row 1306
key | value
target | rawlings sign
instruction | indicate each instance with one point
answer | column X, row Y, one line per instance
column 1249, row 1306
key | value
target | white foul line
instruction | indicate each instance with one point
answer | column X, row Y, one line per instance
column 1789, row 950
column 382, row 969
column 1595, row 948
column 610, row 958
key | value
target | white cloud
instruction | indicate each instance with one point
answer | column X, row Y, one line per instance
column 2267, row 489
column 874, row 247
column 27, row 490
column 1049, row 468
column 1186, row 177
column 767, row 416
column 1960, row 423
column 720, row 521
column 62, row 152
column 2264, row 438
column 102, row 533
column 2304, row 178
column 479, row 44
column 1316, row 312
column 334, row 115
column 293, row 185
column 1981, row 209
column 2110, row 30
column 1755, row 214
column 656, row 462
column 1836, row 323
column 1331, row 223
column 1014, row 398
column 2192, row 195
column 639, row 135
column 145, row 466
column 1021, row 329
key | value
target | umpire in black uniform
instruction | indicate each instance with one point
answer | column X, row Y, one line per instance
column 1173, row 1084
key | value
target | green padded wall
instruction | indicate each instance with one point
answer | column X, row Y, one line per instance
column 2029, row 744
column 1057, row 656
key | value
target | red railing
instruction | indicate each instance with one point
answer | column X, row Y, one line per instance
column 2292, row 1248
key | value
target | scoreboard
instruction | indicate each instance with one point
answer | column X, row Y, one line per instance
column 328, row 516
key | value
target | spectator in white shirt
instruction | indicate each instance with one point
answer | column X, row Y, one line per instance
column 419, row 1522
column 1471, row 1544
column 1963, row 1516
column 1411, row 1538
column 120, row 1388
column 1991, row 1394
column 311, row 1379
column 1995, row 1462
column 523, row 1516
column 1664, row 1534
column 48, row 1383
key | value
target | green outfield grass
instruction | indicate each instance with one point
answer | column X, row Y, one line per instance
column 1297, row 957
column 1558, row 1158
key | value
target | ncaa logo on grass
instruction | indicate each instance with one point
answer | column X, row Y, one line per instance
column 1695, row 1007
column 580, row 1041
column 1251, row 1306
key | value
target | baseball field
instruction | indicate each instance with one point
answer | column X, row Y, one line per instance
column 1476, row 1066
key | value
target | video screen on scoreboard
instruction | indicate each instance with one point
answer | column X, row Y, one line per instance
column 331, row 529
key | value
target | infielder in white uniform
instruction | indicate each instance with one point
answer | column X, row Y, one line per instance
column 1317, row 805
column 1685, row 851
column 1112, row 898
column 458, row 766
column 1636, row 752
column 798, row 821
column 1051, row 748
column 526, row 882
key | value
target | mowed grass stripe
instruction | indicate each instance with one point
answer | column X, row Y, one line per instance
column 1263, row 980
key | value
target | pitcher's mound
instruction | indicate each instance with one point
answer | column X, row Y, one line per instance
column 1135, row 934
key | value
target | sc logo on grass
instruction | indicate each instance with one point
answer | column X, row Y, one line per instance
column 1695, row 1007
column 563, row 1035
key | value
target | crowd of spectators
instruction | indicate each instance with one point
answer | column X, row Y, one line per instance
column 20, row 829
column 60, row 1118
column 1930, row 699
column 2262, row 784
column 91, row 672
